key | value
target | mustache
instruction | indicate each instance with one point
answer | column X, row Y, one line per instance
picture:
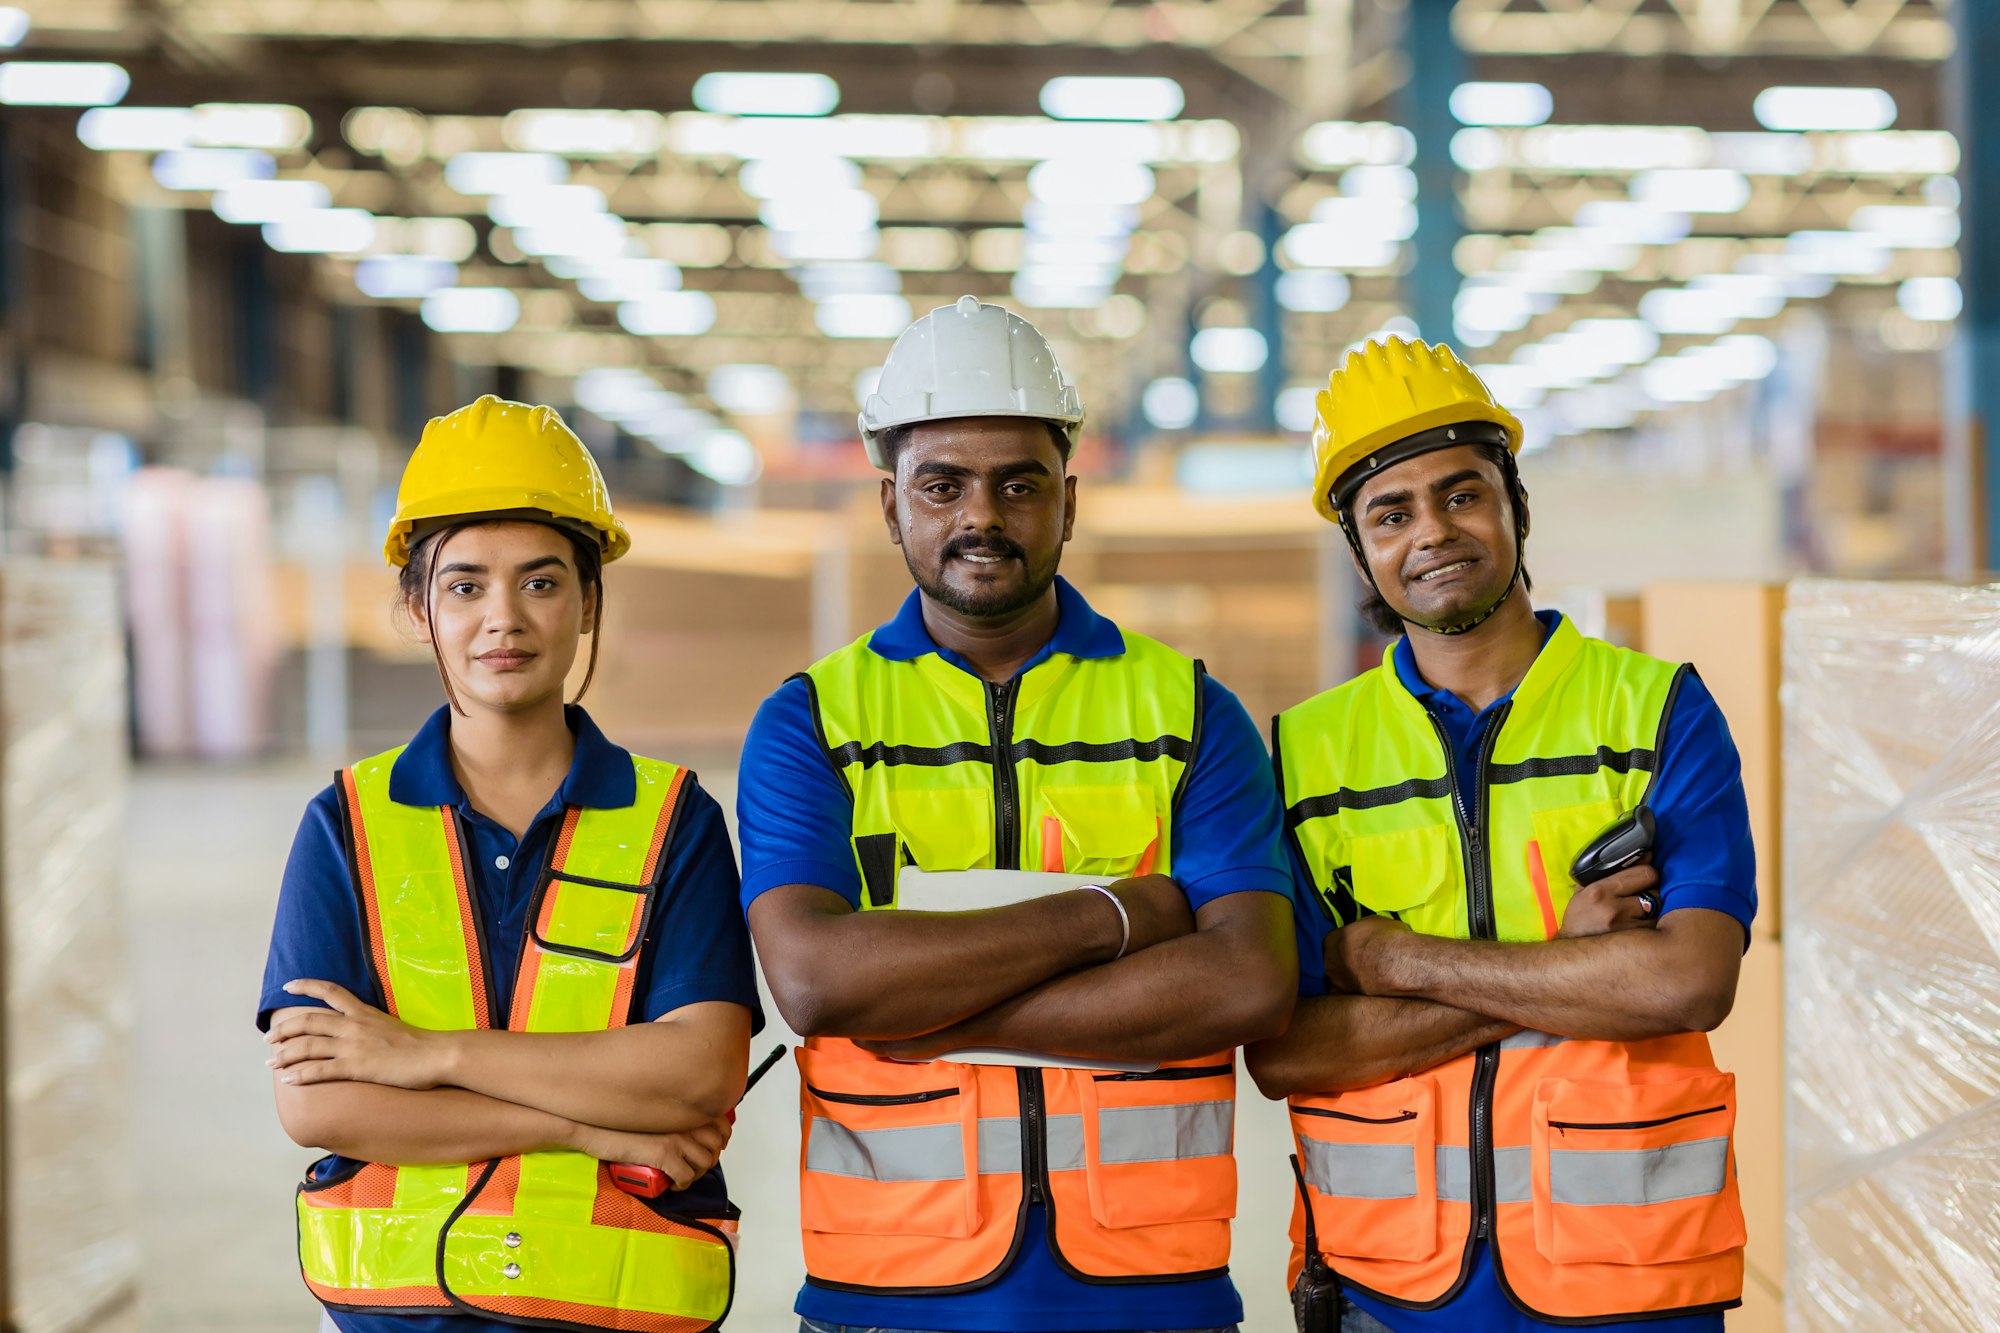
column 983, row 546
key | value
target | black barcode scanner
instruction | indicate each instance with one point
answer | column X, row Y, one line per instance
column 1618, row 848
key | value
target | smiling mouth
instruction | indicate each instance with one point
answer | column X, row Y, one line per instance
column 983, row 557
column 1443, row 570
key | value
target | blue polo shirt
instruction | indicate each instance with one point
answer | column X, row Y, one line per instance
column 318, row 928
column 1703, row 853
column 794, row 819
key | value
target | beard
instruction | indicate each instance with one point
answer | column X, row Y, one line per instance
column 982, row 603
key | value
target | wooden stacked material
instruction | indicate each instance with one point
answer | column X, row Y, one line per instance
column 1732, row 632
column 70, row 1256
column 1892, row 955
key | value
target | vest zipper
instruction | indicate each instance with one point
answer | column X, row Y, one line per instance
column 1034, row 1142
column 1006, row 817
column 1479, row 910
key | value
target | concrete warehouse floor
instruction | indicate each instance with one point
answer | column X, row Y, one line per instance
column 207, row 847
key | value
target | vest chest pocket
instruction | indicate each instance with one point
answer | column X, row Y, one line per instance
column 1412, row 874
column 1559, row 834
column 942, row 829
column 1635, row 1173
column 1110, row 830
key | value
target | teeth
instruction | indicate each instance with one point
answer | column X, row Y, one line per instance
column 983, row 559
column 1426, row 578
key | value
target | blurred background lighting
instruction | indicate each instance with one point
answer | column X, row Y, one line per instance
column 1501, row 103
column 62, row 83
column 1936, row 299
column 668, row 314
column 733, row 94
column 750, row 389
column 211, row 168
column 1102, row 97
column 1170, row 403
column 322, row 231
column 1229, row 351
column 1795, row 108
column 471, row 310
column 403, row 277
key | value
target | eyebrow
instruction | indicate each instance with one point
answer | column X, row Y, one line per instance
column 1026, row 467
column 525, row 567
column 1402, row 497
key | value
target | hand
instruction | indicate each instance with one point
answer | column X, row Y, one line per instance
column 1351, row 950
column 685, row 1157
column 1613, row 903
column 1158, row 910
column 353, row 1042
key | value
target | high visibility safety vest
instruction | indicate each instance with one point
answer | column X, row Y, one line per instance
column 1602, row 1171
column 543, row 1239
column 916, row 1178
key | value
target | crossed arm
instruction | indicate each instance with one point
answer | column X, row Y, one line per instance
column 1407, row 1002
column 1040, row 976
column 357, row 1081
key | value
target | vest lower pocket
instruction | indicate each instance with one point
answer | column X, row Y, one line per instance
column 1370, row 1162
column 1155, row 1148
column 1641, row 1173
column 896, row 1150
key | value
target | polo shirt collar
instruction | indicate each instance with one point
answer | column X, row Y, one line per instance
column 1080, row 631
column 600, row 774
column 1429, row 694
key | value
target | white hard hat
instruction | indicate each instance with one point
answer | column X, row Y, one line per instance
column 968, row 359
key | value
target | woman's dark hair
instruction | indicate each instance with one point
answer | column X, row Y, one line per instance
column 415, row 584
column 1382, row 617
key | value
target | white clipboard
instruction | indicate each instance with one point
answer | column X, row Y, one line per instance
column 982, row 890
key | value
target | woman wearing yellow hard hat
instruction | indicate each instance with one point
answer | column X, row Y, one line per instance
column 509, row 992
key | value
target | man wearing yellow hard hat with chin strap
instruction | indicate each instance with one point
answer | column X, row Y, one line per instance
column 1505, row 1114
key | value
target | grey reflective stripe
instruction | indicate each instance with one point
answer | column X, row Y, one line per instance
column 1128, row 1135
column 1628, row 1177
column 1511, row 1175
column 1361, row 1170
column 1529, row 1039
column 911, row 1153
column 1065, row 1142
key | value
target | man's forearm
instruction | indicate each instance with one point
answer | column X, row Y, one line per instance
column 898, row 974
column 649, row 1078
column 1626, row 986
column 1338, row 1042
column 401, row 1127
column 1187, row 997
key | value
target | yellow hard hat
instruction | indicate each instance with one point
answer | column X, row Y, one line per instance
column 1390, row 392
column 496, row 457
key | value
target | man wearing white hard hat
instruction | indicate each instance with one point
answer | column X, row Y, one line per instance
column 1015, row 874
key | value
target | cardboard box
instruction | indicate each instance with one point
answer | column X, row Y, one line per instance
column 1732, row 633
column 1751, row 1045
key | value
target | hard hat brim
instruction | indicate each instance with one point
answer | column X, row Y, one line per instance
column 500, row 506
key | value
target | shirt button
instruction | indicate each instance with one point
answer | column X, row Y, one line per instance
column 501, row 863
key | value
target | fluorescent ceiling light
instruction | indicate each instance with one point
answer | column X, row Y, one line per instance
column 620, row 395
column 1514, row 386
column 1348, row 143
column 821, row 281
column 1080, row 180
column 842, row 210
column 1327, row 245
column 136, row 129
column 827, row 246
column 766, row 94
column 627, row 279
column 585, row 133
column 1312, row 290
column 1692, row 190
column 669, row 315
column 403, row 277
column 62, row 83
column 1088, row 97
column 1099, row 278
column 1501, row 103
column 1845, row 254
column 862, row 316
column 725, row 457
column 433, row 238
column 269, row 125
column 750, row 389
column 211, row 168
column 1761, row 154
column 1616, row 341
column 502, row 173
column 1624, row 222
column 1379, row 183
column 1041, row 248
column 1478, row 149
column 1395, row 219
column 471, row 310
column 1934, row 299
column 591, row 235
column 1746, row 295
column 325, row 231
column 1483, row 309
column 1905, row 227
column 545, row 205
column 1170, row 404
column 808, row 175
column 1043, row 289
column 254, row 201
column 1229, row 351
column 1686, row 310
column 14, row 25
column 1065, row 217
column 1297, row 408
column 1792, row 108
column 1748, row 356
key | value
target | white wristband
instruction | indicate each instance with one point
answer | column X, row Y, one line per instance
column 1124, row 921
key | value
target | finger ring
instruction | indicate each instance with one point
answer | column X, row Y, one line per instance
column 1649, row 904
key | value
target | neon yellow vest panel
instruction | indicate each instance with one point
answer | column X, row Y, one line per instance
column 543, row 1238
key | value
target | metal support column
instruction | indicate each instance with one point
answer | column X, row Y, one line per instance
column 1268, row 319
column 1437, row 66
column 1972, row 368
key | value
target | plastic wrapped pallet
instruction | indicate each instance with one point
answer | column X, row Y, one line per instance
column 1892, row 953
column 72, row 1255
